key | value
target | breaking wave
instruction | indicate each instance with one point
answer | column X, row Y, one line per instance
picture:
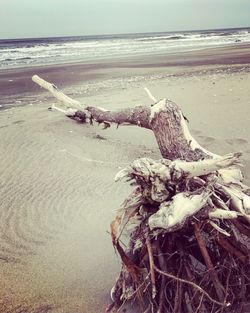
column 31, row 52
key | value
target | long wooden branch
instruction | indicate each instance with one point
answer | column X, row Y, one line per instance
column 140, row 115
column 151, row 263
column 164, row 118
column 217, row 284
column 56, row 92
column 136, row 116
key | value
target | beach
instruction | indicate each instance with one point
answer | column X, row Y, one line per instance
column 58, row 194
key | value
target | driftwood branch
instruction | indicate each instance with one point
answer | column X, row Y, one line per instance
column 57, row 93
column 135, row 116
column 175, row 143
column 152, row 267
column 187, row 220
column 202, row 245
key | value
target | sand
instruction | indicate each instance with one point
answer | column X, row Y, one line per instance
column 57, row 192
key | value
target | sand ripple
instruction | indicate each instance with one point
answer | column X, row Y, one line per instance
column 40, row 194
column 56, row 203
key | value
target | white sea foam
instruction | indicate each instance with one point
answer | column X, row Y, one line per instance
column 18, row 53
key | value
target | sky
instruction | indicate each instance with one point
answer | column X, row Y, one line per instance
column 48, row 18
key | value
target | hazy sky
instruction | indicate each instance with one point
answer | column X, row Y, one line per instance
column 45, row 18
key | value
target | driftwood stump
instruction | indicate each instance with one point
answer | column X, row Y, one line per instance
column 186, row 225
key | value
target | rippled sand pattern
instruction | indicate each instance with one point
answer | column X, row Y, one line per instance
column 38, row 195
column 57, row 199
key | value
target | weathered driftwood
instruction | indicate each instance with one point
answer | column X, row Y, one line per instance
column 176, row 143
column 187, row 222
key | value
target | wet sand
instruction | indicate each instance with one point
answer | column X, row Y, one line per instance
column 57, row 190
column 18, row 89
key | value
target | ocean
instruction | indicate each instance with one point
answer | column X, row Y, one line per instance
column 16, row 53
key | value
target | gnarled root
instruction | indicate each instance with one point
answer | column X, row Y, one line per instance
column 190, row 244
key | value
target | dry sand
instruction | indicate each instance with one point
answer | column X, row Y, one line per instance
column 57, row 191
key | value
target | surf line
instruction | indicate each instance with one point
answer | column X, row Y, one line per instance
column 84, row 159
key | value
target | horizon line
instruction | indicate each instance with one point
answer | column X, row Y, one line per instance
column 133, row 33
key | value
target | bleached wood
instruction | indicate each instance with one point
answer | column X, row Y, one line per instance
column 57, row 93
column 239, row 201
column 67, row 112
column 222, row 214
column 150, row 94
column 173, row 213
column 164, row 118
column 203, row 167
column 190, row 139
column 172, row 134
column 176, row 170
column 219, row 229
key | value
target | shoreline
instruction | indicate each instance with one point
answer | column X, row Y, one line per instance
column 17, row 82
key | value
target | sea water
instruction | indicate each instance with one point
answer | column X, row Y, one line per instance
column 16, row 53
